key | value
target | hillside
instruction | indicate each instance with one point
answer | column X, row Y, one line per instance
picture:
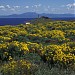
column 41, row 48
column 35, row 15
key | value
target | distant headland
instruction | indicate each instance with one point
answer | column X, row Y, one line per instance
column 35, row 15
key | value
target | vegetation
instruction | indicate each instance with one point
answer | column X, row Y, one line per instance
column 43, row 48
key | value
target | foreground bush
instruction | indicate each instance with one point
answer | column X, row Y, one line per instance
column 20, row 67
column 44, row 69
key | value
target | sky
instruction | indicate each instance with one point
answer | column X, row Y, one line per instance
column 8, row 7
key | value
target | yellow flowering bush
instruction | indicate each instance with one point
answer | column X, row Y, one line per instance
column 70, row 34
column 61, row 54
column 4, row 39
column 9, row 51
column 23, row 47
column 34, row 47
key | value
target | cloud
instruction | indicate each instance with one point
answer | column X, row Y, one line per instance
column 16, row 6
column 26, row 6
column 71, row 5
column 2, row 7
column 12, row 8
column 38, row 5
column 68, row 8
column 8, row 6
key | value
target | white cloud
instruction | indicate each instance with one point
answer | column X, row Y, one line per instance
column 68, row 7
column 2, row 7
column 16, row 6
column 12, row 8
column 8, row 6
column 38, row 5
column 26, row 6
column 71, row 5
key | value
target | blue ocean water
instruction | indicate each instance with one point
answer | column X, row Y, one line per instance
column 16, row 21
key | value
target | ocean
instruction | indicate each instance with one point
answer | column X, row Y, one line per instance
column 17, row 21
column 14, row 21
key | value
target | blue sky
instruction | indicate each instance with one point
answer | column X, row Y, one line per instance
column 8, row 7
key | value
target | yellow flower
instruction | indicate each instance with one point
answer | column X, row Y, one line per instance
column 5, row 53
column 10, row 58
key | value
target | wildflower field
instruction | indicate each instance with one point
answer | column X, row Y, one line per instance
column 43, row 48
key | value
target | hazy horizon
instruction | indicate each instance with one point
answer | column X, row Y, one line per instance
column 36, row 13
